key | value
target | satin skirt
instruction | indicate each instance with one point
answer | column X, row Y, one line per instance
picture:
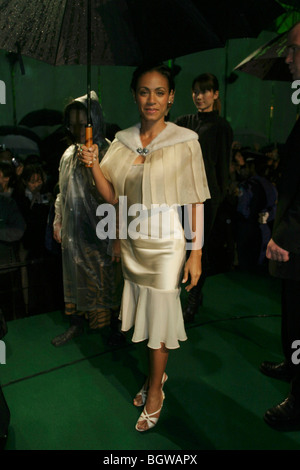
column 152, row 266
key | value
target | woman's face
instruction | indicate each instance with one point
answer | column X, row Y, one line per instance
column 77, row 124
column 152, row 96
column 35, row 183
column 239, row 159
column 204, row 100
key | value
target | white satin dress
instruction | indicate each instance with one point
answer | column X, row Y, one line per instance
column 172, row 174
column 152, row 269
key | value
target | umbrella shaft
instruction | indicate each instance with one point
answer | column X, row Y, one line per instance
column 89, row 52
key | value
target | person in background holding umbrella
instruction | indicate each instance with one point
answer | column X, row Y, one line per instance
column 88, row 272
column 284, row 253
column 149, row 164
column 215, row 137
column 6, row 155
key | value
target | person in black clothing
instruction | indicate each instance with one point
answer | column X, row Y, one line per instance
column 255, row 211
column 215, row 137
column 34, row 206
column 12, row 227
column 284, row 253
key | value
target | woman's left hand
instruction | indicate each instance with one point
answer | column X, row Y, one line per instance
column 193, row 269
column 88, row 156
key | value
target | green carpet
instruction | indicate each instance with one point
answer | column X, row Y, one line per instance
column 79, row 396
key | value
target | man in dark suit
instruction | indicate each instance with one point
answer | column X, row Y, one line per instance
column 284, row 253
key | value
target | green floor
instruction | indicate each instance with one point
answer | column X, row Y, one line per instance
column 79, row 396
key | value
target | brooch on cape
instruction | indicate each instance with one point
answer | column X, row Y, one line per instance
column 143, row 152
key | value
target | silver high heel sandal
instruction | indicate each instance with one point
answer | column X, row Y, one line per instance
column 141, row 395
column 149, row 418
column 144, row 391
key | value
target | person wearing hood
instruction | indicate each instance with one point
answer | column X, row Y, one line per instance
column 88, row 271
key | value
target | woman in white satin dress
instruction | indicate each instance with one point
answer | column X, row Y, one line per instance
column 152, row 169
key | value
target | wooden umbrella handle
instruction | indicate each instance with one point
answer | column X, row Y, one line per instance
column 89, row 139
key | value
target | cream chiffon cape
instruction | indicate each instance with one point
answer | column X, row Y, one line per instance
column 174, row 171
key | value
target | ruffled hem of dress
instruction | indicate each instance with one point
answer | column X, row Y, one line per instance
column 155, row 314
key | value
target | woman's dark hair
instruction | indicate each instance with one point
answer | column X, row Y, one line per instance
column 7, row 169
column 3, row 150
column 28, row 171
column 208, row 82
column 160, row 68
column 33, row 169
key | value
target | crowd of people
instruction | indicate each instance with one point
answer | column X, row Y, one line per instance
column 228, row 197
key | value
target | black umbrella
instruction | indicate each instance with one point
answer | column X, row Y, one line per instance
column 20, row 140
column 42, row 121
column 42, row 117
column 126, row 32
column 268, row 62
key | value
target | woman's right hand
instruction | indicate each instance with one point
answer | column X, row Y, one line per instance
column 88, row 156
column 57, row 233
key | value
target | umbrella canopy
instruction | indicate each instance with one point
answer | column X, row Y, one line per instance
column 268, row 62
column 20, row 140
column 42, row 121
column 127, row 32
column 42, row 117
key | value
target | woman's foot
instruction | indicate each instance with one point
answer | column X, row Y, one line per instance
column 150, row 415
column 141, row 396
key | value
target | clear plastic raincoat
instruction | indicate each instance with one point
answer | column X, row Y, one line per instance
column 88, row 273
